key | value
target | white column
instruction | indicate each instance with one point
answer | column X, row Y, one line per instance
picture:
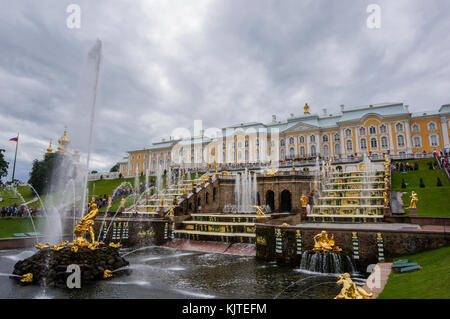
column 319, row 150
column 391, row 142
column 342, row 143
column 357, row 150
column 445, row 132
column 408, row 137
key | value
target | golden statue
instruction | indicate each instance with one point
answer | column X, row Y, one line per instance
column 41, row 246
column 122, row 203
column 306, row 109
column 386, row 199
column 118, row 245
column 322, row 242
column 304, row 200
column 171, row 212
column 350, row 290
column 259, row 211
column 271, row 172
column 414, row 199
column 86, row 224
column 27, row 277
column 107, row 273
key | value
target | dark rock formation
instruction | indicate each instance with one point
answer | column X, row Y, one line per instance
column 49, row 266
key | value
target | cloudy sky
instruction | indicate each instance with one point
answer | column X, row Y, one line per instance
column 167, row 63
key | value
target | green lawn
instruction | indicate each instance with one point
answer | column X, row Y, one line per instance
column 9, row 197
column 433, row 200
column 11, row 225
column 431, row 282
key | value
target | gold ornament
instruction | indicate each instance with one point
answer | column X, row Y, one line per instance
column 107, row 274
column 322, row 242
column 350, row 290
column 414, row 200
column 27, row 277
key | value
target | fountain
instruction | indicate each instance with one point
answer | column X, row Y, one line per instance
column 361, row 194
column 49, row 265
column 245, row 190
column 326, row 257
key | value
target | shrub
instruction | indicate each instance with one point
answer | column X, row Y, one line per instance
column 421, row 183
column 416, row 166
column 403, row 183
column 402, row 167
column 439, row 183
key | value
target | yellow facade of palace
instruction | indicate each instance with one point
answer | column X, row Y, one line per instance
column 374, row 130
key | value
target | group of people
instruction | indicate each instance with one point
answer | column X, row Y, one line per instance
column 18, row 211
column 443, row 157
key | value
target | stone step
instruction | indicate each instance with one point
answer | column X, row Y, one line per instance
column 208, row 233
column 199, row 222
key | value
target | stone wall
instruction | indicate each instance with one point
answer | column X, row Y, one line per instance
column 396, row 243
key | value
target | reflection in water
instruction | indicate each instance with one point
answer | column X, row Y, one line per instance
column 159, row 272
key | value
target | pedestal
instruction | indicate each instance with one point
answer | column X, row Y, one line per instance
column 413, row 212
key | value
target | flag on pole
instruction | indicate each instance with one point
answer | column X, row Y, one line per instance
column 14, row 139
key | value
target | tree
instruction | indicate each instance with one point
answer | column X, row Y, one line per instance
column 115, row 168
column 439, row 183
column 52, row 171
column 3, row 165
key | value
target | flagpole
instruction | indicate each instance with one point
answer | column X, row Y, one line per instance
column 15, row 157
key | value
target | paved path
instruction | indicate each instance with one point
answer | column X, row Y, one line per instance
column 378, row 278
column 213, row 247
column 368, row 226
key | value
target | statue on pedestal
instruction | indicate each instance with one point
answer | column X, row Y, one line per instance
column 414, row 199
column 322, row 242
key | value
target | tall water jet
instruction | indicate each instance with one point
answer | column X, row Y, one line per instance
column 68, row 166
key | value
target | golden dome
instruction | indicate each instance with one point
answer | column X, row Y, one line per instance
column 63, row 141
column 49, row 149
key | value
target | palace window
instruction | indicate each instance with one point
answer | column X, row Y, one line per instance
column 239, row 156
column 336, row 137
column 362, row 131
column 291, row 152
column 325, row 149
column 224, row 157
column 224, row 146
column 415, row 127
column 282, row 142
column 337, row 149
column 434, row 140
column 301, row 139
column 239, row 144
column 383, row 129
column 132, row 158
column 384, row 141
column 348, row 132
column 283, row 153
column 302, row 150
column 313, row 150
column 372, row 130
column 417, row 142
column 325, row 138
column 246, row 155
column 400, row 140
column 431, row 126
column 349, row 145
column 246, row 143
column 312, row 138
column 373, row 142
column 363, row 143
column 399, row 127
column 257, row 142
column 291, row 140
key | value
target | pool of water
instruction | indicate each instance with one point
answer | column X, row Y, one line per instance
column 158, row 272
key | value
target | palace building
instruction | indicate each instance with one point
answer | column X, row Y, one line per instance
column 373, row 129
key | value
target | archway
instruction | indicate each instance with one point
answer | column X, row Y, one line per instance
column 285, row 203
column 270, row 200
